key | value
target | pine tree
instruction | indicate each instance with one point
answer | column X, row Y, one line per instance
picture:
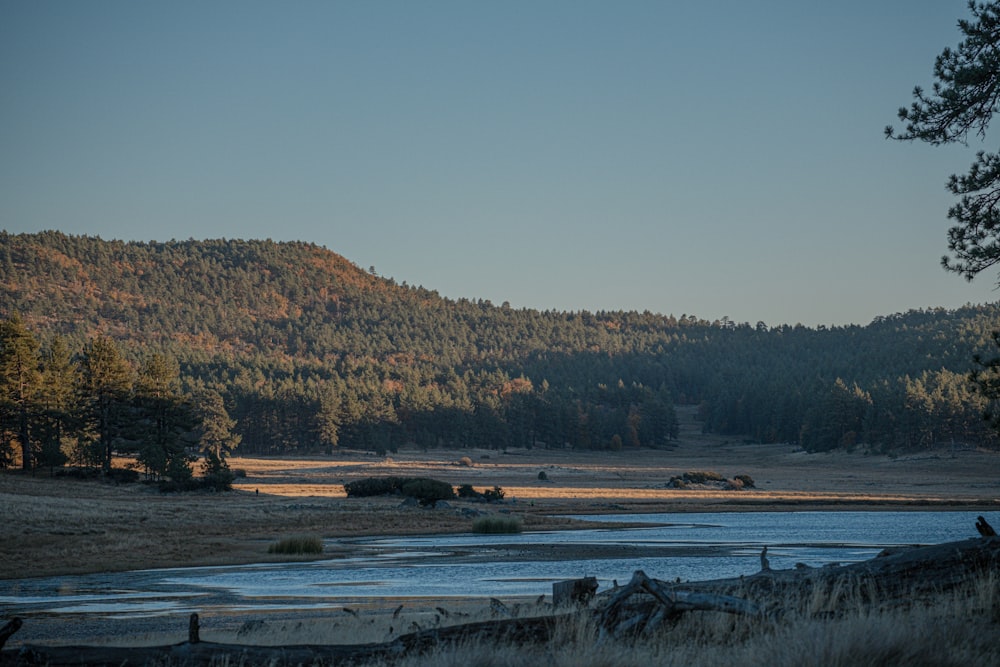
column 106, row 386
column 164, row 417
column 60, row 378
column 216, row 436
column 20, row 378
column 962, row 101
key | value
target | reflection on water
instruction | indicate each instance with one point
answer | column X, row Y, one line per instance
column 686, row 546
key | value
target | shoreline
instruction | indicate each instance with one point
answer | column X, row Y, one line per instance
column 63, row 526
column 554, row 516
column 224, row 620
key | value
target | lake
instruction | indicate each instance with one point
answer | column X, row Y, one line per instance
column 689, row 546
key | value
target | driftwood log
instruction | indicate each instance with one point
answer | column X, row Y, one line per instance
column 899, row 576
column 574, row 592
column 621, row 615
column 522, row 631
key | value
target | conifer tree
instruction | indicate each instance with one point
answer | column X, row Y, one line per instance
column 60, row 378
column 164, row 418
column 216, row 436
column 107, row 382
column 962, row 101
column 19, row 382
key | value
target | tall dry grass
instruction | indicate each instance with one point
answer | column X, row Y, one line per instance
column 840, row 629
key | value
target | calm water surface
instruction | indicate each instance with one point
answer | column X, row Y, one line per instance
column 700, row 546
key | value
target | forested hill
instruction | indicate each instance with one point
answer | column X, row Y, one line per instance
column 307, row 350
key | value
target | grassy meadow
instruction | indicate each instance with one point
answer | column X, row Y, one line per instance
column 65, row 526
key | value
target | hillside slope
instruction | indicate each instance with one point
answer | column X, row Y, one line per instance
column 309, row 350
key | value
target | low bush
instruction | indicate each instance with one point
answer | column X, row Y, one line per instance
column 495, row 525
column 466, row 491
column 424, row 489
column 695, row 477
column 374, row 486
column 298, row 545
column 702, row 476
column 216, row 473
column 493, row 495
column 427, row 491
column 747, row 481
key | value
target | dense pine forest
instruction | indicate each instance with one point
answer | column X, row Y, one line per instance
column 287, row 347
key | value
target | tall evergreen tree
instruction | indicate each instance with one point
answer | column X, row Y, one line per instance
column 106, row 387
column 164, row 418
column 60, row 379
column 216, row 431
column 20, row 378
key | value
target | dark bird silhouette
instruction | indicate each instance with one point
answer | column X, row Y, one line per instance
column 984, row 528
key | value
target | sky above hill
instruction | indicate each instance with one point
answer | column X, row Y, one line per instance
column 709, row 158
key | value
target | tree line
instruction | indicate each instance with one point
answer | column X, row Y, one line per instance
column 87, row 406
column 305, row 351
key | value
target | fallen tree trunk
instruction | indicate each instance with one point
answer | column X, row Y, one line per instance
column 617, row 617
column 641, row 606
column 520, row 631
column 896, row 576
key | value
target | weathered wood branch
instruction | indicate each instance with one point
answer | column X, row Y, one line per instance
column 521, row 631
column 617, row 617
column 9, row 628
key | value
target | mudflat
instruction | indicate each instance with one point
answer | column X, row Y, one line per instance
column 55, row 526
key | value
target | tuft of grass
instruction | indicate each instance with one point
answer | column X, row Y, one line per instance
column 297, row 545
column 495, row 525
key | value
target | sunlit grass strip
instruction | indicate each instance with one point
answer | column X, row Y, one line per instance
column 298, row 545
column 496, row 525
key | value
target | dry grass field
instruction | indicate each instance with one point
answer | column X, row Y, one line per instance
column 61, row 526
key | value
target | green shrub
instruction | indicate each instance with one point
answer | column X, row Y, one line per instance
column 494, row 525
column 298, row 545
column 702, row 476
column 466, row 491
column 216, row 474
column 493, row 495
column 542, row 477
column 374, row 486
column 427, row 491
column 424, row 489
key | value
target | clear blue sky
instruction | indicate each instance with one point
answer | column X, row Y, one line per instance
column 717, row 158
